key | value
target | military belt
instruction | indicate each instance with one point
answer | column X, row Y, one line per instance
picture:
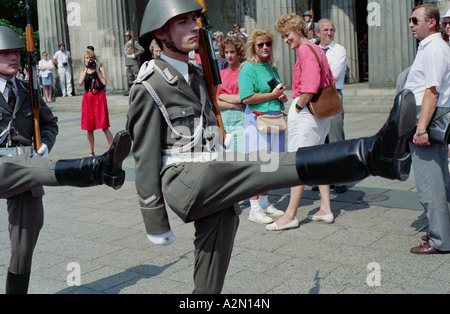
column 16, row 151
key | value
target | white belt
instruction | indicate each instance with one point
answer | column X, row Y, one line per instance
column 16, row 151
column 189, row 157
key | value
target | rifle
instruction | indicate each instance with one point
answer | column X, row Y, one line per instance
column 132, row 43
column 132, row 39
column 35, row 94
column 209, row 63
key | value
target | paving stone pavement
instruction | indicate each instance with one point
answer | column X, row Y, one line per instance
column 98, row 233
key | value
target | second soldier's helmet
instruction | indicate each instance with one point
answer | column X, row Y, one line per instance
column 9, row 39
column 159, row 12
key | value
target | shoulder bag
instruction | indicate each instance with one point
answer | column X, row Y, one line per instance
column 327, row 102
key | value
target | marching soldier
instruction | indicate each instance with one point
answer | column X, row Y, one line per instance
column 132, row 52
column 24, row 175
column 179, row 164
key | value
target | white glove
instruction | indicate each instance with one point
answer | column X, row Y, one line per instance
column 131, row 56
column 162, row 239
column 43, row 151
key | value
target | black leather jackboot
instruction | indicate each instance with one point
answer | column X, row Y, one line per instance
column 91, row 171
column 385, row 154
column 17, row 283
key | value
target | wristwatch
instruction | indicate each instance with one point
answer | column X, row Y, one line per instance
column 298, row 107
column 421, row 133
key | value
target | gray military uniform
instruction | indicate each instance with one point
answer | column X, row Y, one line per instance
column 25, row 210
column 203, row 192
column 131, row 64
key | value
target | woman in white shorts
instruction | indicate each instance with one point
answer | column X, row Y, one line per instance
column 304, row 129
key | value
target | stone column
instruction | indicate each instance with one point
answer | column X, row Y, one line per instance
column 112, row 24
column 443, row 5
column 342, row 13
column 392, row 47
column 53, row 29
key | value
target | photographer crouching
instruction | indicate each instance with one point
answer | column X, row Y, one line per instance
column 94, row 107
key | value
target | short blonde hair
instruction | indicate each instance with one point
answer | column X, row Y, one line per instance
column 293, row 22
column 251, row 42
column 232, row 41
column 89, row 53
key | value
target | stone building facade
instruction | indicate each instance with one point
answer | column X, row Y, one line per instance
column 102, row 23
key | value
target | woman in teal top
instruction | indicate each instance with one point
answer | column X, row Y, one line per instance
column 261, row 99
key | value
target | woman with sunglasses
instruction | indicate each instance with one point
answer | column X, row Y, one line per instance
column 446, row 22
column 260, row 98
column 304, row 129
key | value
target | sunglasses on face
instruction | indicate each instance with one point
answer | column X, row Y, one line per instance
column 415, row 21
column 445, row 24
column 261, row 45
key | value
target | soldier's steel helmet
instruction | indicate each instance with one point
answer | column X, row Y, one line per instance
column 9, row 39
column 159, row 12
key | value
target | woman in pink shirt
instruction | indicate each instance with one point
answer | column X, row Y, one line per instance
column 304, row 129
column 232, row 109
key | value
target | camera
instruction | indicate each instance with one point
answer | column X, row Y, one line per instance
column 273, row 83
column 91, row 64
column 65, row 64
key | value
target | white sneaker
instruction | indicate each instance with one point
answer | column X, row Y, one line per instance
column 64, row 95
column 259, row 216
column 273, row 212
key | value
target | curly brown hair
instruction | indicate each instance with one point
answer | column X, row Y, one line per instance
column 232, row 41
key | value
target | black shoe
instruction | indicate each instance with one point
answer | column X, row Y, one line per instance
column 340, row 189
column 112, row 174
column 17, row 283
column 91, row 171
column 389, row 156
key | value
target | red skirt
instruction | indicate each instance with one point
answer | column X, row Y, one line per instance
column 94, row 111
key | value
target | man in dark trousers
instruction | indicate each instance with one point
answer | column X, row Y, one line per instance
column 179, row 164
column 23, row 175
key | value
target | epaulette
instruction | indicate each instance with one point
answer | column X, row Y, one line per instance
column 145, row 71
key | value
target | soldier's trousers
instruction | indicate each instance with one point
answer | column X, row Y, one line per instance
column 206, row 193
column 25, row 212
column 21, row 173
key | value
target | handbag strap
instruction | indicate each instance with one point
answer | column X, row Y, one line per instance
column 320, row 63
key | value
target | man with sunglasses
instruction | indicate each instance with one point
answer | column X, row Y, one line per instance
column 429, row 79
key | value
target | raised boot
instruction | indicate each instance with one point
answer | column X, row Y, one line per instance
column 17, row 283
column 91, row 171
column 385, row 154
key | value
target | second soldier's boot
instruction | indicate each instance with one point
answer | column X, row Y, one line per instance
column 17, row 283
column 385, row 154
column 91, row 171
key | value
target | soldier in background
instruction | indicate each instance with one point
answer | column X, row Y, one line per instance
column 132, row 52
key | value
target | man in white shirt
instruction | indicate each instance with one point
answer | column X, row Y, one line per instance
column 337, row 59
column 62, row 59
column 429, row 79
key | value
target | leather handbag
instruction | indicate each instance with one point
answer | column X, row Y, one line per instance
column 438, row 129
column 271, row 124
column 327, row 102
